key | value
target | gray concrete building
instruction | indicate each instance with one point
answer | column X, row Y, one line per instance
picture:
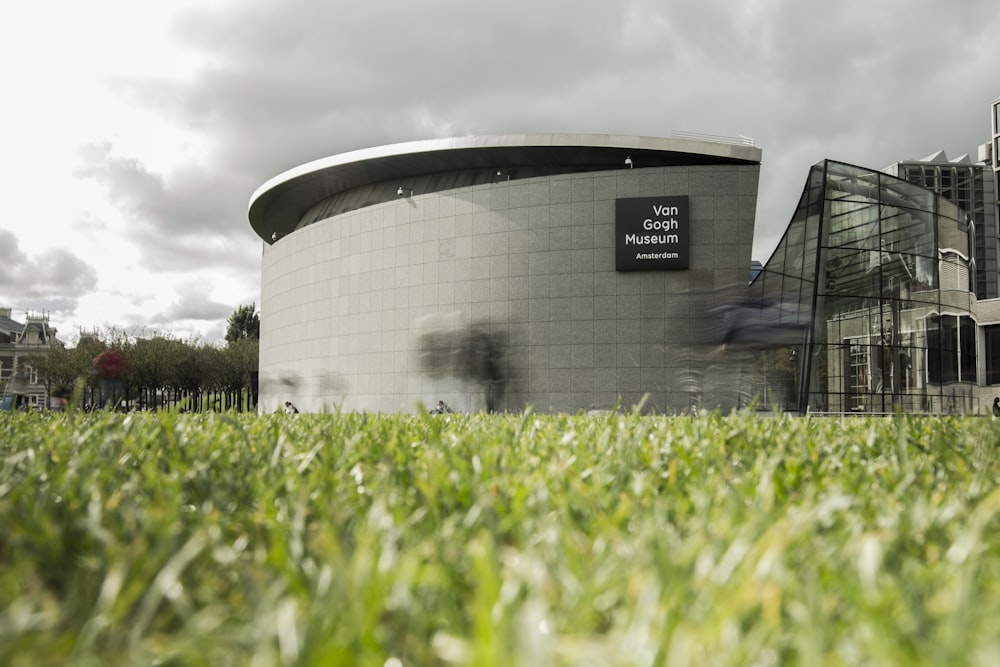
column 561, row 272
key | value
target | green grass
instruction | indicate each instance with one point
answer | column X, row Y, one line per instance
column 181, row 539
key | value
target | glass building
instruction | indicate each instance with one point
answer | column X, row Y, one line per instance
column 877, row 274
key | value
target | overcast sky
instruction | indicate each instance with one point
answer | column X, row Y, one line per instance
column 134, row 133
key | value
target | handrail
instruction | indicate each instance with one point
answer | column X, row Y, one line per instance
column 714, row 138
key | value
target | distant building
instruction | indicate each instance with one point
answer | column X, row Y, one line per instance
column 992, row 155
column 970, row 186
column 989, row 153
column 19, row 340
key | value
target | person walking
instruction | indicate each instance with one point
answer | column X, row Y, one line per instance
column 996, row 408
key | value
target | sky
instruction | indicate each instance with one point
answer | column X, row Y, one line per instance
column 134, row 133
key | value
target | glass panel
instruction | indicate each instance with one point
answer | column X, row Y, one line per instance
column 856, row 273
column 949, row 348
column 967, row 349
column 858, row 367
column 771, row 287
column 793, row 250
column 903, row 194
column 812, row 195
column 809, row 261
column 963, row 189
column 812, row 225
column 934, row 361
column 852, row 224
column 992, row 354
column 790, row 297
column 846, row 183
column 947, row 182
column 942, row 343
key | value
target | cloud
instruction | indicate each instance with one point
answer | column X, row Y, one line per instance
column 194, row 304
column 186, row 202
column 11, row 257
column 51, row 281
column 187, row 221
column 53, row 275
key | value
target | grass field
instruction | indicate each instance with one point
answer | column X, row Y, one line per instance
column 180, row 539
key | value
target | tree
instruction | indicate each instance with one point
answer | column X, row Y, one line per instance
column 64, row 367
column 237, row 365
column 192, row 372
column 57, row 366
column 243, row 323
column 159, row 371
column 152, row 367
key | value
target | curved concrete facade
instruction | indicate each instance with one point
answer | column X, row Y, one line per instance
column 491, row 283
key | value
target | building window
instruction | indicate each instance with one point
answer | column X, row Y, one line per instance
column 858, row 372
column 951, row 349
column 992, row 334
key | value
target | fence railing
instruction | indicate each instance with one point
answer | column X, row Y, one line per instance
column 714, row 138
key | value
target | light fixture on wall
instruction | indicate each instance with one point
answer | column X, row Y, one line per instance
column 628, row 161
column 404, row 192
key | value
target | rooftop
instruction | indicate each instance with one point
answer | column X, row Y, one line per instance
column 375, row 175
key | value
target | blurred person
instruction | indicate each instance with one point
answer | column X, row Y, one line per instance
column 441, row 409
column 59, row 400
column 109, row 367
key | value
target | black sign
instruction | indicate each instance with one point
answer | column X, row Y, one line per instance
column 651, row 233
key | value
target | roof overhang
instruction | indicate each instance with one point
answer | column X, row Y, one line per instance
column 277, row 206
